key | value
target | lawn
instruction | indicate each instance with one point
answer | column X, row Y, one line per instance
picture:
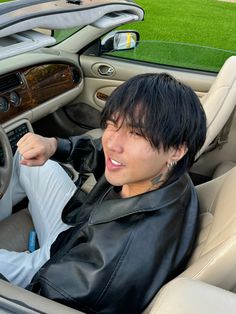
column 208, row 23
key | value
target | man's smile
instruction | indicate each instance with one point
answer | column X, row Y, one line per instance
column 113, row 164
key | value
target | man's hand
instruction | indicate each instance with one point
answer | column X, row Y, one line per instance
column 36, row 149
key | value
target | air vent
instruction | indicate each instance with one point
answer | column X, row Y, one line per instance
column 76, row 76
column 9, row 82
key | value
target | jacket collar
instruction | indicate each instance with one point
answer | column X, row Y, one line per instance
column 113, row 209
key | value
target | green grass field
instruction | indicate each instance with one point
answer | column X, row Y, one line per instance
column 208, row 23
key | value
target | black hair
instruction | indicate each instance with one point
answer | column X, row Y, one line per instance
column 165, row 111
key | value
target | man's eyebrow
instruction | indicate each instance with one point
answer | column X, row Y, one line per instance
column 112, row 119
column 128, row 123
column 134, row 125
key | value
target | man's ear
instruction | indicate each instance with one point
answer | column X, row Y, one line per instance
column 178, row 153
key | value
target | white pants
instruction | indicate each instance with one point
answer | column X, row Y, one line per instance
column 48, row 189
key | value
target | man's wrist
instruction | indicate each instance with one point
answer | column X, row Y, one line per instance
column 53, row 142
column 63, row 149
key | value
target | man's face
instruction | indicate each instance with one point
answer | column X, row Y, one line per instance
column 131, row 161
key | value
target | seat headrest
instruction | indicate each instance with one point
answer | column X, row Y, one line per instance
column 220, row 101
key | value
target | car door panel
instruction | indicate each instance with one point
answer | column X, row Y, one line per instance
column 98, row 86
column 93, row 87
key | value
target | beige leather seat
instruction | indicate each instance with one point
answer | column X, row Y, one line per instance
column 220, row 101
column 214, row 258
column 187, row 296
column 222, row 168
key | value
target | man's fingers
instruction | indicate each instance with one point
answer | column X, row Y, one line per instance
column 31, row 148
column 29, row 140
column 36, row 149
column 25, row 148
column 24, row 138
column 31, row 153
column 32, row 162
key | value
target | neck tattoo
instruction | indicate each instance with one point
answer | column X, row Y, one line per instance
column 158, row 181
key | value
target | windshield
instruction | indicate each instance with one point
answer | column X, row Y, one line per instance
column 62, row 34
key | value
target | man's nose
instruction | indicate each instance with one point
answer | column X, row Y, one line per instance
column 116, row 141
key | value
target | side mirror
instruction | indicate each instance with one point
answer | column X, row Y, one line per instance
column 120, row 40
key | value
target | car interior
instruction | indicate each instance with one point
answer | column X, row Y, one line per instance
column 59, row 89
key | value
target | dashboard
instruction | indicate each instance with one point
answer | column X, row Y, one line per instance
column 32, row 92
column 28, row 88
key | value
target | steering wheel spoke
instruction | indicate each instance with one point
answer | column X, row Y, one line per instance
column 6, row 168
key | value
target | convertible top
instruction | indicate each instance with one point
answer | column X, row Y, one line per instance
column 20, row 18
column 21, row 15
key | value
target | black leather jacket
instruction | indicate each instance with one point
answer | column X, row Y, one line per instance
column 119, row 252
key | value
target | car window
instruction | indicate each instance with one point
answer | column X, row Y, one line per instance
column 194, row 34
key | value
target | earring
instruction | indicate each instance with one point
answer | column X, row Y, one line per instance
column 171, row 165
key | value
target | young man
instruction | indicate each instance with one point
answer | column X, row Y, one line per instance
column 111, row 251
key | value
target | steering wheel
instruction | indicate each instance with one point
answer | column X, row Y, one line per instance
column 6, row 168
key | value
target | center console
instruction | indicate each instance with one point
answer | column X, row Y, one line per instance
column 14, row 133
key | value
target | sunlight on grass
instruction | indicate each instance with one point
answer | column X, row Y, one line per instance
column 189, row 22
column 177, row 54
column 204, row 22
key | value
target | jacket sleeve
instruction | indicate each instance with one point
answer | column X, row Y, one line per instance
column 84, row 153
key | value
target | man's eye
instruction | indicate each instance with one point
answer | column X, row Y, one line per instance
column 135, row 132
column 110, row 124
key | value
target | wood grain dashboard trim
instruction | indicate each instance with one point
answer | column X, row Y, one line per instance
column 38, row 84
